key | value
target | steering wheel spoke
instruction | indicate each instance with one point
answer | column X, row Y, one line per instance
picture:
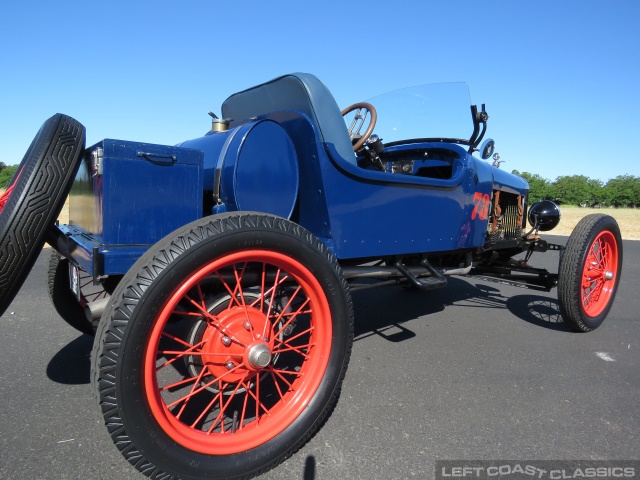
column 363, row 112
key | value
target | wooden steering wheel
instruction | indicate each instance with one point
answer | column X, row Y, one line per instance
column 363, row 109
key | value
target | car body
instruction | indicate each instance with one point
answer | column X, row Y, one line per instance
column 359, row 213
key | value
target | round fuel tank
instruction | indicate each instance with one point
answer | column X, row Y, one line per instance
column 253, row 167
column 260, row 170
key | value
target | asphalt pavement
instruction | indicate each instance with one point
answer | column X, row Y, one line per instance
column 478, row 370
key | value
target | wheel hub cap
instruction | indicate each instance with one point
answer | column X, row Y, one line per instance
column 259, row 355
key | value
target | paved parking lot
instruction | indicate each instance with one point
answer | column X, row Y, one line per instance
column 478, row 370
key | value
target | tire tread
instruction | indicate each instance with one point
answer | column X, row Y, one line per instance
column 46, row 173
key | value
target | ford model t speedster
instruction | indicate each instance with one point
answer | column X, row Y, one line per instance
column 216, row 274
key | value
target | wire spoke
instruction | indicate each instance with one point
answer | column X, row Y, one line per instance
column 288, row 372
column 288, row 322
column 179, row 354
column 223, row 407
column 176, row 339
column 191, row 394
column 258, row 402
column 206, row 409
column 275, row 382
column 244, row 404
column 271, row 302
column 288, row 340
column 293, row 349
column 277, row 372
column 593, row 292
column 202, row 387
column 179, row 383
column 239, row 283
column 232, row 293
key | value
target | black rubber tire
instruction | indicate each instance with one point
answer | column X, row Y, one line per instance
column 572, row 263
column 134, row 308
column 66, row 304
column 39, row 191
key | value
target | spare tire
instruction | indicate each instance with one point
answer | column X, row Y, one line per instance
column 35, row 198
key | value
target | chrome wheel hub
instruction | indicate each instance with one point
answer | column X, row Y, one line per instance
column 259, row 355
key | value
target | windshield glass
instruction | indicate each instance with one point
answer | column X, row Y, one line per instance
column 436, row 110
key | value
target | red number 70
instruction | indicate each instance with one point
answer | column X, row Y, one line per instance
column 481, row 205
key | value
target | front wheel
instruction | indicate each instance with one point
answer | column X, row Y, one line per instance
column 224, row 348
column 589, row 272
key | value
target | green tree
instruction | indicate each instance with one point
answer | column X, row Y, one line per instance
column 6, row 174
column 624, row 191
column 595, row 192
column 539, row 188
column 572, row 190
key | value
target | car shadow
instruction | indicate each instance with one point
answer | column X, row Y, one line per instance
column 538, row 310
column 382, row 312
column 72, row 364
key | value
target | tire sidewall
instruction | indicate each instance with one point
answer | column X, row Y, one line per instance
column 148, row 436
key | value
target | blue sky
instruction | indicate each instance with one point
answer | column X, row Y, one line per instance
column 560, row 78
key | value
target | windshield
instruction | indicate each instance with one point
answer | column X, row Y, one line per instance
column 437, row 110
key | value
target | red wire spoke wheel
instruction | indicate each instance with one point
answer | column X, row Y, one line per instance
column 590, row 272
column 31, row 205
column 261, row 379
column 599, row 274
column 223, row 349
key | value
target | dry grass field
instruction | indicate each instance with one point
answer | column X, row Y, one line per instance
column 628, row 219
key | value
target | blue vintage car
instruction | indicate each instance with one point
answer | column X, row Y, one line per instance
column 216, row 274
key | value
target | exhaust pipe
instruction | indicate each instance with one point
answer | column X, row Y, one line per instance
column 94, row 310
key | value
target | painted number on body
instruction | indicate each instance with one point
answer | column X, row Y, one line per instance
column 481, row 205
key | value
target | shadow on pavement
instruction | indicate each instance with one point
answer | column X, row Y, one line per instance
column 538, row 310
column 72, row 364
column 309, row 468
column 377, row 312
column 383, row 312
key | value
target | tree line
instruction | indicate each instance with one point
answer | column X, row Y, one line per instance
column 622, row 191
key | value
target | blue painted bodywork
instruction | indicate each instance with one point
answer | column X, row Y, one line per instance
column 137, row 194
column 287, row 152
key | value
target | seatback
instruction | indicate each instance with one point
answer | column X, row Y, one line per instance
column 302, row 92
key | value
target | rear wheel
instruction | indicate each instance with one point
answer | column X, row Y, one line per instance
column 590, row 272
column 35, row 198
column 65, row 302
column 224, row 348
